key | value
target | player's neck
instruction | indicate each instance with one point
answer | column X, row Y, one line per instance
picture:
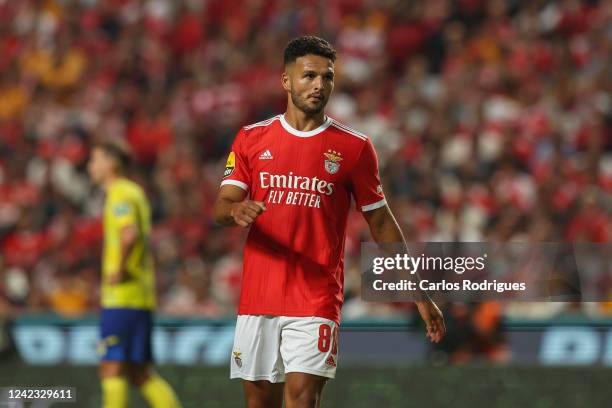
column 108, row 181
column 302, row 121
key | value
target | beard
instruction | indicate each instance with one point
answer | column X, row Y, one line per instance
column 303, row 105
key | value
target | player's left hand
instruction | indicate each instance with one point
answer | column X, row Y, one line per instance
column 116, row 278
column 434, row 320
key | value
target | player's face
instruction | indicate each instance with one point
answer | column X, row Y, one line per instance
column 310, row 81
column 100, row 165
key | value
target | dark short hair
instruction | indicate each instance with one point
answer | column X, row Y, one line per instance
column 118, row 149
column 308, row 45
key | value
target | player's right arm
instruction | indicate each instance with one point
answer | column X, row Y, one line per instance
column 231, row 208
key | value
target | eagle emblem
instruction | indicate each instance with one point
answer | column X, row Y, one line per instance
column 237, row 358
column 332, row 161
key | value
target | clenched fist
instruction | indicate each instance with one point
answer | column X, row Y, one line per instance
column 246, row 212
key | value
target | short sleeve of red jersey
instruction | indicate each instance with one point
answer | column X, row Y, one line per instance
column 365, row 180
column 237, row 171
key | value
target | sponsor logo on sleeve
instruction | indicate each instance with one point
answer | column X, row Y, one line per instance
column 121, row 209
column 230, row 165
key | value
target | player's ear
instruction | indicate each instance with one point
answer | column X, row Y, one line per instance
column 286, row 81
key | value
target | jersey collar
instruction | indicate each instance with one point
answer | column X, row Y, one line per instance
column 299, row 133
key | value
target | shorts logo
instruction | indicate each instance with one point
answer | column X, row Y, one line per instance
column 237, row 358
column 230, row 165
column 105, row 343
column 330, row 361
column 332, row 162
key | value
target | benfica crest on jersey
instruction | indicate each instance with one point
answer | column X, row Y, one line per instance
column 332, row 161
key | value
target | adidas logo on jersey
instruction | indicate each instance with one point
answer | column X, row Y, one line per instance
column 330, row 361
column 266, row 155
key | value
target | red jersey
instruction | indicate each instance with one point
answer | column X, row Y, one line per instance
column 294, row 255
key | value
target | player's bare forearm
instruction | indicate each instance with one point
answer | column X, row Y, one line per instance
column 383, row 226
column 232, row 209
column 227, row 197
column 385, row 230
column 223, row 212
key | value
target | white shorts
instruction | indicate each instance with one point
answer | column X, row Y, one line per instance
column 268, row 347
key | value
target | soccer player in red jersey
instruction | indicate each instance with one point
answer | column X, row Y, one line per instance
column 300, row 170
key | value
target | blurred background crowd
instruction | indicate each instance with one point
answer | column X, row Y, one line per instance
column 492, row 121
